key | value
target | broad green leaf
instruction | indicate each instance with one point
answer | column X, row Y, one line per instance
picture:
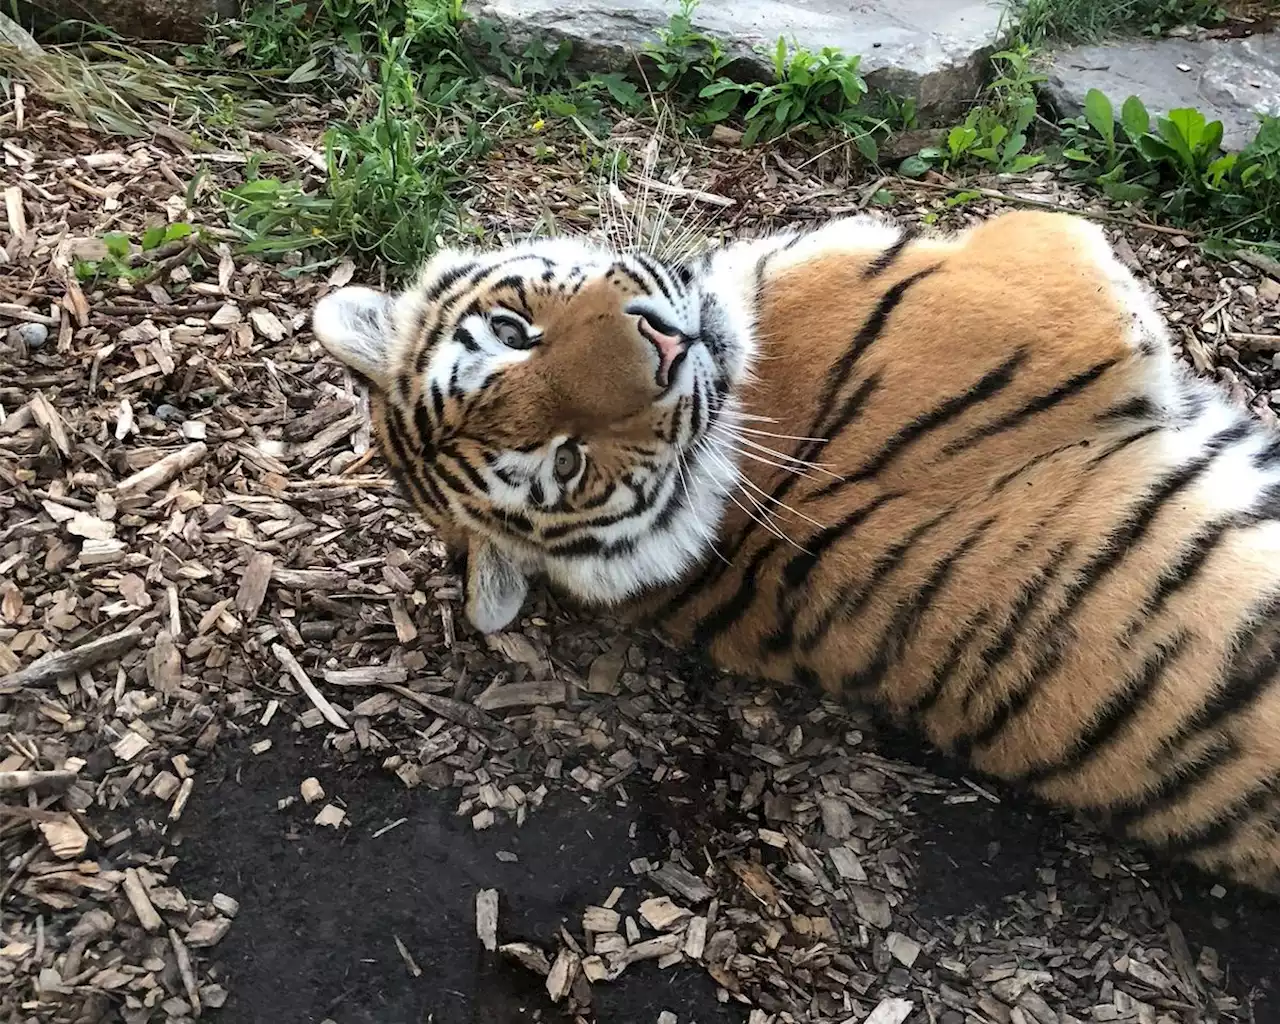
column 1097, row 109
column 1025, row 162
column 1135, row 119
column 1124, row 191
column 1078, row 155
column 152, row 237
column 117, row 244
column 1190, row 124
column 866, row 144
column 913, row 167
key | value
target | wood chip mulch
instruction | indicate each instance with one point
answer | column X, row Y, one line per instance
column 197, row 541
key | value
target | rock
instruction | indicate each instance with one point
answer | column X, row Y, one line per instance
column 179, row 21
column 13, row 34
column 34, row 335
column 1230, row 80
column 933, row 50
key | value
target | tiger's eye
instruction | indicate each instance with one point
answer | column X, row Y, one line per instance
column 567, row 461
column 512, row 332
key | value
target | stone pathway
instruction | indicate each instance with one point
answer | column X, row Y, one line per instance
column 930, row 49
column 1231, row 80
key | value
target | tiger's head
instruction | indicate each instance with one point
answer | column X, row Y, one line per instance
column 550, row 408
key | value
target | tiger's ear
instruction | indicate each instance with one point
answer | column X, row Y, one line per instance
column 354, row 325
column 496, row 587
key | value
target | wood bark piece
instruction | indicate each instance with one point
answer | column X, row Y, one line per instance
column 136, row 893
column 290, row 663
column 54, row 665
column 41, row 782
column 160, row 473
column 253, row 585
column 487, row 918
column 183, row 957
column 500, row 737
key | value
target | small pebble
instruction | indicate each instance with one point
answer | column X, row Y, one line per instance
column 33, row 335
column 168, row 413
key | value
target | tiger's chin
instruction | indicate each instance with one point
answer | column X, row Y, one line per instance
column 611, row 572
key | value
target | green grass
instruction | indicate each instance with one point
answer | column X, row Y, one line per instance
column 1087, row 21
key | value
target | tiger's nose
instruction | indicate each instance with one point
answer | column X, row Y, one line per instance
column 671, row 349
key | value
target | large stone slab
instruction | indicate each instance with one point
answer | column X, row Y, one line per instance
column 179, row 21
column 934, row 50
column 1231, row 80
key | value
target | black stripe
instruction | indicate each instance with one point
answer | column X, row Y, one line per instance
column 889, row 256
column 446, row 280
column 1119, row 709
column 726, row 615
column 1224, row 825
column 990, row 384
column 910, row 613
column 798, row 570
column 838, row 375
column 1105, row 560
column 923, row 702
column 1041, row 403
column 1003, row 481
column 657, row 272
column 1116, row 447
column 1179, row 778
column 1025, row 605
column 1139, row 407
column 854, row 595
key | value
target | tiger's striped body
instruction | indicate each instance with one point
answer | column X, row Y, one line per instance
column 961, row 478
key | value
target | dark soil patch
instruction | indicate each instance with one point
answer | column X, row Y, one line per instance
column 320, row 910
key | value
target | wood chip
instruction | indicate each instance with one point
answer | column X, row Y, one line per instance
column 528, row 956
column 165, row 471
column 563, row 973
column 290, row 663
column 66, row 839
column 312, row 791
column 66, row 663
column 661, row 914
column 487, row 918
column 254, row 583
column 331, row 815
column 890, row 1011
column 600, row 919
column 136, row 893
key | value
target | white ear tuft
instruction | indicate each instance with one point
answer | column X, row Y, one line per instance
column 496, row 587
column 354, row 325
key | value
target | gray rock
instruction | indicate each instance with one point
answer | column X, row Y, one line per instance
column 13, row 34
column 934, row 50
column 179, row 21
column 34, row 335
column 1229, row 80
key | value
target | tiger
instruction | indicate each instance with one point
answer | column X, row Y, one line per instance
column 959, row 477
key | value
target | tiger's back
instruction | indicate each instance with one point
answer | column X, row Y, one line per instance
column 963, row 478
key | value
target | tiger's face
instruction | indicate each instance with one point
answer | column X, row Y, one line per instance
column 552, row 408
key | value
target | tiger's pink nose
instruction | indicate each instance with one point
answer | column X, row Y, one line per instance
column 671, row 348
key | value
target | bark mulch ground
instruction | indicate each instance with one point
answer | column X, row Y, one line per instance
column 256, row 768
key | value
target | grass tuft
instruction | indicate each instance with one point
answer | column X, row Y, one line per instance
column 1090, row 21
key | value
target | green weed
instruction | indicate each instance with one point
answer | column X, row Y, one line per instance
column 118, row 261
column 1177, row 163
column 1042, row 21
column 994, row 135
column 808, row 90
column 685, row 59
